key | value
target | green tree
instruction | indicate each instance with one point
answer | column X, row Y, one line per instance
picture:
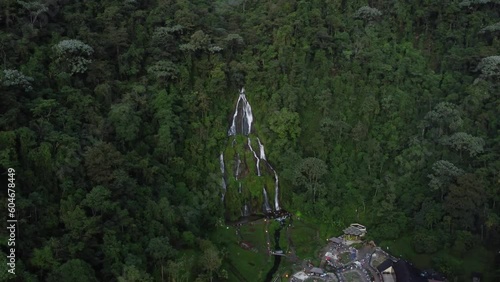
column 179, row 270
column 100, row 162
column 445, row 117
column 132, row 274
column 73, row 270
column 210, row 259
column 126, row 121
column 444, row 173
column 73, row 55
column 14, row 78
column 426, row 242
column 465, row 201
column 286, row 124
column 309, row 173
column 489, row 67
column 462, row 141
column 160, row 250
column 98, row 200
column 44, row 259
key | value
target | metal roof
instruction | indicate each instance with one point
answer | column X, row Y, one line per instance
column 353, row 231
column 317, row 270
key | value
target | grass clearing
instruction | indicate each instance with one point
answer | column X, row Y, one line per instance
column 305, row 239
column 239, row 261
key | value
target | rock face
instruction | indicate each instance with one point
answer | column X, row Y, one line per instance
column 249, row 182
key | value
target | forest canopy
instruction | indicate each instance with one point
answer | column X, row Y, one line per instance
column 114, row 113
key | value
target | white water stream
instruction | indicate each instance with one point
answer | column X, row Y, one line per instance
column 242, row 124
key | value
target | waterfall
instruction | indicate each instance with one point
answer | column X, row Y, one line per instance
column 246, row 116
column 238, row 166
column 276, row 201
column 246, row 210
column 241, row 124
column 232, row 129
column 267, row 207
column 223, row 170
column 263, row 157
column 255, row 155
column 276, row 190
column 262, row 152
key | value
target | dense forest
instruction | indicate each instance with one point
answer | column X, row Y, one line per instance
column 114, row 113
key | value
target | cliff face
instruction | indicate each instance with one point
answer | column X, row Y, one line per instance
column 250, row 184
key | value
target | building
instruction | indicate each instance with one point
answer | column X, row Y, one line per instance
column 359, row 226
column 386, row 267
column 402, row 270
column 299, row 276
column 336, row 240
column 353, row 233
column 316, row 271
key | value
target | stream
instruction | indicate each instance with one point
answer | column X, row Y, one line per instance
column 277, row 259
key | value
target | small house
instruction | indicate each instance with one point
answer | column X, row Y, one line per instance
column 316, row 271
column 336, row 240
column 353, row 233
column 386, row 267
column 401, row 270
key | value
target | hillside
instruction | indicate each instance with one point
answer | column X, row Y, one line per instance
column 114, row 114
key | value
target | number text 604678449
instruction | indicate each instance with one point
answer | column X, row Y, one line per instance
column 11, row 220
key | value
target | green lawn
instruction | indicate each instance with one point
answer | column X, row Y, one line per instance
column 256, row 264
column 240, row 261
column 305, row 240
column 255, row 235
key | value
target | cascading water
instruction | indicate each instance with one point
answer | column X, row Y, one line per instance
column 223, row 170
column 232, row 129
column 240, row 186
column 246, row 116
column 276, row 188
column 255, row 155
column 276, row 191
column 246, row 210
column 262, row 152
column 238, row 162
column 263, row 157
column 267, row 207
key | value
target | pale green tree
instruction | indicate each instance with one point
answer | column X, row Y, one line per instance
column 444, row 172
column 73, row 55
column 309, row 174
column 461, row 141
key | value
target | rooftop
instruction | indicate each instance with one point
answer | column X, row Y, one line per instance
column 404, row 270
column 351, row 230
column 316, row 270
column 335, row 240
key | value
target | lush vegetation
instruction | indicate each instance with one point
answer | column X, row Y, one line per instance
column 114, row 113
